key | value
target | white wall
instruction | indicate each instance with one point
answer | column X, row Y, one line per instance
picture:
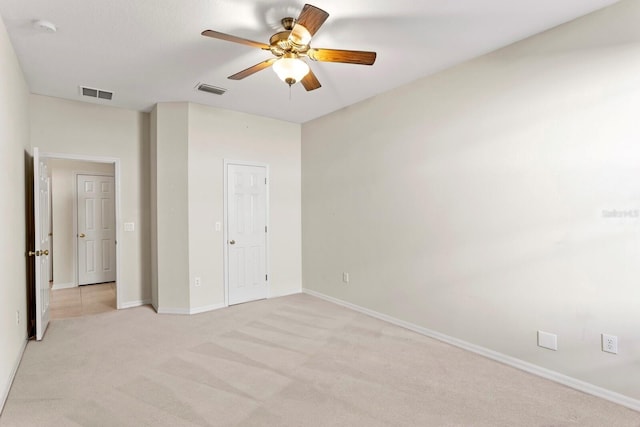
column 14, row 143
column 215, row 135
column 471, row 202
column 71, row 127
column 63, row 191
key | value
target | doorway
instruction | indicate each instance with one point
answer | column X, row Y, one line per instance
column 67, row 299
column 246, row 227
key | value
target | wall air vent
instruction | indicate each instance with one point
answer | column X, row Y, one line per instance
column 96, row 93
column 210, row 89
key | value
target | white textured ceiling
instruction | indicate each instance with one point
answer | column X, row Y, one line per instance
column 150, row 51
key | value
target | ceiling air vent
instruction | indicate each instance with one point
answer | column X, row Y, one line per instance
column 210, row 89
column 96, row 93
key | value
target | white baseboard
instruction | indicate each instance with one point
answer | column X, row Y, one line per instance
column 57, row 286
column 502, row 358
column 285, row 293
column 165, row 310
column 131, row 304
column 14, row 371
column 206, row 308
column 195, row 310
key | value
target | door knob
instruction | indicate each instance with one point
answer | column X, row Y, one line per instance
column 232, row 242
column 32, row 253
column 81, row 235
column 45, row 252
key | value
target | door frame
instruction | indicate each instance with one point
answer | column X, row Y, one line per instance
column 116, row 163
column 225, row 205
column 76, row 265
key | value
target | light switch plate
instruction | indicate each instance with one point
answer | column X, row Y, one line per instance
column 548, row 340
column 129, row 226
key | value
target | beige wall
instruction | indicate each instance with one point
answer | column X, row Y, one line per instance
column 14, row 143
column 216, row 135
column 471, row 202
column 77, row 128
column 63, row 191
column 153, row 203
column 189, row 147
column 170, row 182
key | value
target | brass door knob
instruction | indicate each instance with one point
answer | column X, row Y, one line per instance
column 232, row 242
column 81, row 235
column 32, row 253
column 45, row 252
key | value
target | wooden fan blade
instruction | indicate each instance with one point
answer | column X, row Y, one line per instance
column 230, row 38
column 345, row 56
column 310, row 81
column 311, row 18
column 252, row 70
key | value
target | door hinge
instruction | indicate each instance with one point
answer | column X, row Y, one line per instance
column 265, row 228
column 265, row 181
column 266, row 277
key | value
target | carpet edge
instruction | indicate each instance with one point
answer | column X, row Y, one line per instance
column 514, row 362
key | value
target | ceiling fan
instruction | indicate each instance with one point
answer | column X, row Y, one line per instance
column 291, row 45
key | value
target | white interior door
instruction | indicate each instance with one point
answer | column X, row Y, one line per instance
column 246, row 233
column 96, row 229
column 41, row 213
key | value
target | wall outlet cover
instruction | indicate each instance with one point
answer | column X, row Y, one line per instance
column 610, row 343
column 548, row 340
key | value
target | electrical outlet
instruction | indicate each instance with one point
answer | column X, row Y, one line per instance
column 610, row 343
column 197, row 282
column 345, row 277
column 17, row 317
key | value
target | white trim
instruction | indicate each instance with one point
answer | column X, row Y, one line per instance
column 204, row 309
column 57, row 286
column 285, row 293
column 566, row 380
column 12, row 376
column 189, row 311
column 138, row 303
column 161, row 310
column 225, row 274
column 117, row 172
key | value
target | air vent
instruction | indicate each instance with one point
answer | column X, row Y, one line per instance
column 96, row 93
column 211, row 89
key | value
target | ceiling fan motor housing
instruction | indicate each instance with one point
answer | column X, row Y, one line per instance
column 280, row 44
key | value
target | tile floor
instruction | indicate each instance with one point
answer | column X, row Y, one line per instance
column 83, row 300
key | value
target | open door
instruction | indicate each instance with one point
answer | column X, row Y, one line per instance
column 41, row 216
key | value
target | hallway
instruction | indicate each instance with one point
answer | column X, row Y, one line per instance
column 83, row 300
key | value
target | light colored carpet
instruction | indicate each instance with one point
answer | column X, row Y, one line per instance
column 292, row 361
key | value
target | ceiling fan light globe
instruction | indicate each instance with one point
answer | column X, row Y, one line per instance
column 290, row 70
